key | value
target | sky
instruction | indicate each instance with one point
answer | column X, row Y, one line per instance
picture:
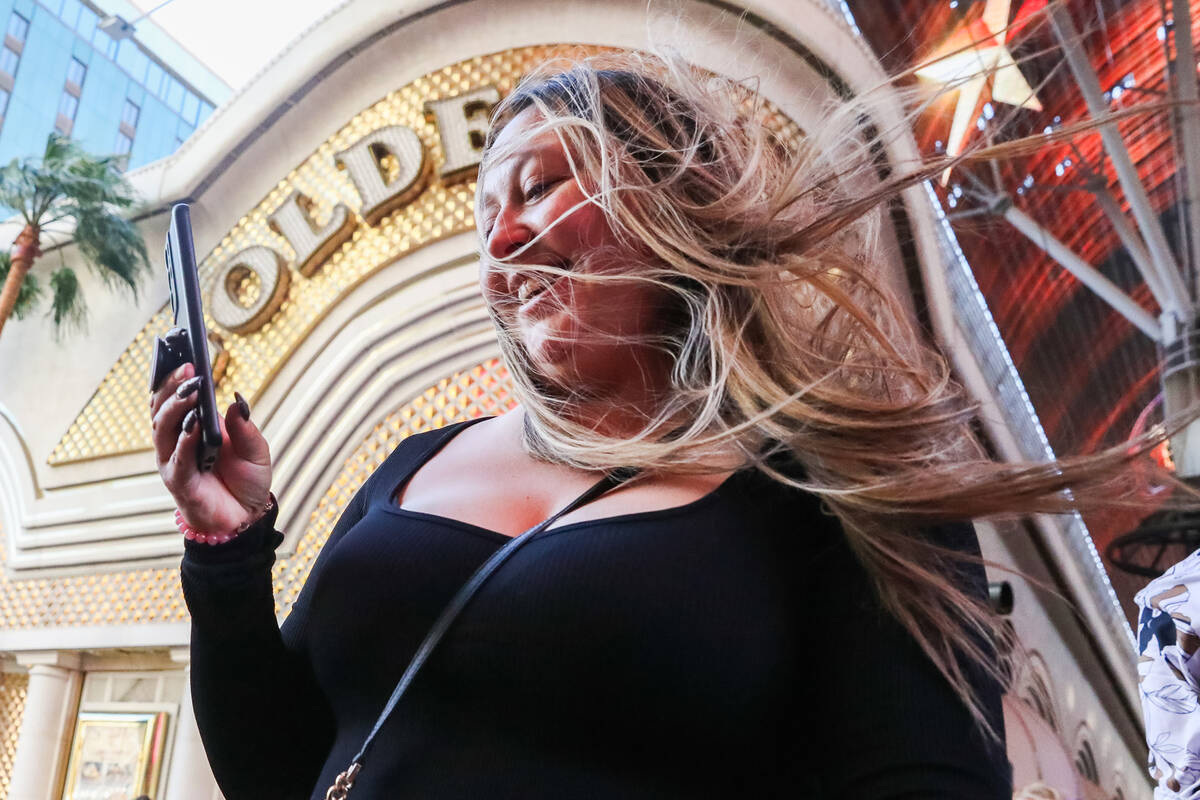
column 236, row 38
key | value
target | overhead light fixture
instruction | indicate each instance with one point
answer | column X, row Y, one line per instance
column 117, row 27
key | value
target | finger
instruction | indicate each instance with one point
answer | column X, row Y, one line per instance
column 169, row 386
column 180, row 466
column 165, row 425
column 244, row 436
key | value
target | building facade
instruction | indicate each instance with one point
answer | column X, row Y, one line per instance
column 345, row 307
column 140, row 97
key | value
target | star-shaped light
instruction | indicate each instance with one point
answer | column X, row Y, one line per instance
column 976, row 54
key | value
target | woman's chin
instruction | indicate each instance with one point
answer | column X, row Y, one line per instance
column 549, row 352
column 551, row 366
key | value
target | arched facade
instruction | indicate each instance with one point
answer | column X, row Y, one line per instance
column 344, row 296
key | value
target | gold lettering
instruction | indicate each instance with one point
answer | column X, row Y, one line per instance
column 462, row 126
column 385, row 186
column 388, row 167
column 228, row 310
column 294, row 221
column 218, row 356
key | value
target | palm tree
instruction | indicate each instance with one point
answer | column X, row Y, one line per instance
column 68, row 184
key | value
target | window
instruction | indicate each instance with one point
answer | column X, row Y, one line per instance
column 105, row 44
column 70, row 12
column 68, row 104
column 129, row 120
column 76, row 72
column 18, row 27
column 175, row 96
column 125, row 50
column 141, row 62
column 9, row 60
column 154, row 78
column 130, row 114
column 191, row 105
column 131, row 59
column 205, row 110
column 87, row 23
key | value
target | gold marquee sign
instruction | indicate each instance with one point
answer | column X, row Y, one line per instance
column 396, row 177
column 388, row 167
column 113, row 420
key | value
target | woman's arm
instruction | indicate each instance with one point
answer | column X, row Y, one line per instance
column 266, row 726
column 892, row 727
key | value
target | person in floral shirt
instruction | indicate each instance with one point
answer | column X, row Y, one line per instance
column 1169, row 678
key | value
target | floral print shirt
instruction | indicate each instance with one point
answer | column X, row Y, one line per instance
column 1169, row 677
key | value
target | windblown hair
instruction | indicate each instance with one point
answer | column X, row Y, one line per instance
column 787, row 346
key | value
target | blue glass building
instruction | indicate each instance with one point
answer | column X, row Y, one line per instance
column 141, row 96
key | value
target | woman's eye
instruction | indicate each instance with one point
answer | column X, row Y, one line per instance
column 537, row 189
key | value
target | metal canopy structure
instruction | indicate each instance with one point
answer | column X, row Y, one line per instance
column 1086, row 247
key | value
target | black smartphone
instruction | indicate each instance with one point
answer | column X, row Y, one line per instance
column 184, row 283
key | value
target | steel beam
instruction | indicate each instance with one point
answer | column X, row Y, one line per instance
column 1178, row 296
column 1088, row 275
column 1133, row 244
column 1189, row 126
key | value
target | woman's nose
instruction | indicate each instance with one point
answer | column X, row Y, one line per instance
column 509, row 234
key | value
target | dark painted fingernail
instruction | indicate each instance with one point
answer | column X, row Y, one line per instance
column 243, row 406
column 190, row 420
column 188, row 386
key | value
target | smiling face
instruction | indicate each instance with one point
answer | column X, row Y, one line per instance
column 539, row 227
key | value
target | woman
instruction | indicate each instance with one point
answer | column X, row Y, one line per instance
column 678, row 290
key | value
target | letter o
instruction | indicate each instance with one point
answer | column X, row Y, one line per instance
column 274, row 277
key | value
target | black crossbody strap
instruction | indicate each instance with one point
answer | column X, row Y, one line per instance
column 455, row 607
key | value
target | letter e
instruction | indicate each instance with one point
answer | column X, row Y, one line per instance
column 462, row 125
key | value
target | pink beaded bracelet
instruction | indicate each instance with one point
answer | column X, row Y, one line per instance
column 218, row 538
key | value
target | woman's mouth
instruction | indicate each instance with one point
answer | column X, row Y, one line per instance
column 528, row 288
column 533, row 289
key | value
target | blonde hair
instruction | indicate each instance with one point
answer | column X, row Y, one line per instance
column 785, row 342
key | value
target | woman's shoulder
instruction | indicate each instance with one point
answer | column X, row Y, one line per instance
column 772, row 498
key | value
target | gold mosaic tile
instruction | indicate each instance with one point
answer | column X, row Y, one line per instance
column 13, row 687
column 113, row 421
column 145, row 596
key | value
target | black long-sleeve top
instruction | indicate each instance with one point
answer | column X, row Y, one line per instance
column 728, row 648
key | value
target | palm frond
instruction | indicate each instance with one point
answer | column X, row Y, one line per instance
column 29, row 293
column 16, row 189
column 67, row 305
column 113, row 246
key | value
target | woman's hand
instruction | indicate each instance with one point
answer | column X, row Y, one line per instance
column 236, row 491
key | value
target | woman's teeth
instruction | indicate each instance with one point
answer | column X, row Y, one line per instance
column 528, row 289
column 532, row 286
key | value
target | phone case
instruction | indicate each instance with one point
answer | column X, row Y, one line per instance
column 191, row 341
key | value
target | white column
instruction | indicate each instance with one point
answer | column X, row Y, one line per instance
column 190, row 777
column 47, row 725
